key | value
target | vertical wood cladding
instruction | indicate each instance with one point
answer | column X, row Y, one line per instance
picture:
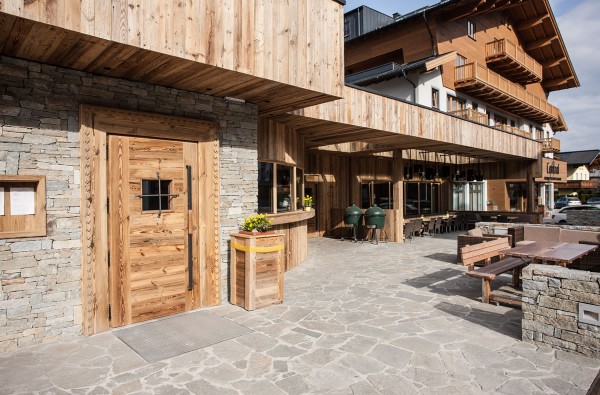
column 294, row 42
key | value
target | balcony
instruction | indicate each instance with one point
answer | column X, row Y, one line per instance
column 550, row 145
column 512, row 62
column 512, row 129
column 471, row 115
column 478, row 81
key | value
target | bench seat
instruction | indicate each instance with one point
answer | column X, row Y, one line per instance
column 488, row 273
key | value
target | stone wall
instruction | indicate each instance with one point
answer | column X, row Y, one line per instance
column 551, row 299
column 40, row 279
column 584, row 218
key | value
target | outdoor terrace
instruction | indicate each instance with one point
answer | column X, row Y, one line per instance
column 356, row 318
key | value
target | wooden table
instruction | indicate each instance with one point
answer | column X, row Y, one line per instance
column 558, row 253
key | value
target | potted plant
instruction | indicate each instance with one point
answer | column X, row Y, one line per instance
column 307, row 202
column 256, row 224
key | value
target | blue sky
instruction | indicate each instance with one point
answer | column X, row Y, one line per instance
column 578, row 21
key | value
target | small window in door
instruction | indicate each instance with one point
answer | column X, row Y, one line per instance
column 155, row 195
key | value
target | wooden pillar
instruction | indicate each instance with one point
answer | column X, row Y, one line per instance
column 531, row 201
column 398, row 192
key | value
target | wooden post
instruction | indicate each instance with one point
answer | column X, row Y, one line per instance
column 531, row 201
column 398, row 192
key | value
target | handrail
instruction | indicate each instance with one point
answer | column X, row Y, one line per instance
column 508, row 48
column 479, row 72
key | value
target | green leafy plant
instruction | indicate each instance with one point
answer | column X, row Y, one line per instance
column 308, row 201
column 258, row 223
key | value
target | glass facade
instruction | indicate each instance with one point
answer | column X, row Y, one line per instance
column 468, row 196
column 421, row 198
column 379, row 193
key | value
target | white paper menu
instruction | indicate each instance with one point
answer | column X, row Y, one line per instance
column 1, row 201
column 22, row 201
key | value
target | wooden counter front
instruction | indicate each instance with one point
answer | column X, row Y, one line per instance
column 293, row 225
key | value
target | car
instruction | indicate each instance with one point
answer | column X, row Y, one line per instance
column 566, row 201
column 560, row 216
column 595, row 201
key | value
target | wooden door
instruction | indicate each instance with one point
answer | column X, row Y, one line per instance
column 152, row 258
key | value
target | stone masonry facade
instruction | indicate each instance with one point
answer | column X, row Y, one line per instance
column 40, row 278
column 551, row 298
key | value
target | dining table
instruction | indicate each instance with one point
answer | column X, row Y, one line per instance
column 552, row 252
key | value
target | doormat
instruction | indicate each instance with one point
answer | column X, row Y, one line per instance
column 173, row 336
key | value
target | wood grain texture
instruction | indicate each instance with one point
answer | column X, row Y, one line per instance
column 96, row 124
column 256, row 278
column 276, row 40
column 280, row 144
column 31, row 225
column 402, row 125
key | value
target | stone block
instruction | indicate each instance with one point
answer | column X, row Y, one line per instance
column 558, row 304
column 21, row 246
column 538, row 327
column 582, row 286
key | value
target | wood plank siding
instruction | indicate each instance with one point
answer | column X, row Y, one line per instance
column 278, row 54
column 366, row 117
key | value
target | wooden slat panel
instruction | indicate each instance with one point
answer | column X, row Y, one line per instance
column 250, row 36
column 416, row 127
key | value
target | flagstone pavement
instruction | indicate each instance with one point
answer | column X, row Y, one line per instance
column 357, row 319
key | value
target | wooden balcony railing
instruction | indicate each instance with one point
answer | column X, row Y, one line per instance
column 550, row 145
column 512, row 62
column 481, row 82
column 472, row 115
column 512, row 129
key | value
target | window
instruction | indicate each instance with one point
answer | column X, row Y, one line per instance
column 156, row 195
column 435, row 98
column 460, row 60
column 278, row 190
column 22, row 206
column 265, row 187
column 421, row 198
column 468, row 196
column 284, row 188
column 475, row 106
column 346, row 28
column 379, row 193
column 455, row 104
column 471, row 29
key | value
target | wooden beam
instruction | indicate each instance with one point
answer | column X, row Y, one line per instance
column 557, row 82
column 465, row 10
column 554, row 62
column 532, row 22
column 540, row 43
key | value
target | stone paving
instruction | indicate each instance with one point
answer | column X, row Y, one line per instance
column 357, row 319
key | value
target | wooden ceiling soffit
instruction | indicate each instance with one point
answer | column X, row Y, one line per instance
column 532, row 22
column 44, row 43
column 557, row 82
column 537, row 44
column 481, row 7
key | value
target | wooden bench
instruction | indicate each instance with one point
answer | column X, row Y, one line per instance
column 485, row 252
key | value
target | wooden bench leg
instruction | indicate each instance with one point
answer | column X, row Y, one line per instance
column 516, row 277
column 486, row 289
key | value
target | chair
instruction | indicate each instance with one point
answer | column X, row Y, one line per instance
column 408, row 231
column 430, row 227
column 438, row 225
column 418, row 224
column 450, row 224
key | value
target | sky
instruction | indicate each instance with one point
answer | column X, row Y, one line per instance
column 578, row 21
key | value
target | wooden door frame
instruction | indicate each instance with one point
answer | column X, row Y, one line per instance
column 95, row 124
